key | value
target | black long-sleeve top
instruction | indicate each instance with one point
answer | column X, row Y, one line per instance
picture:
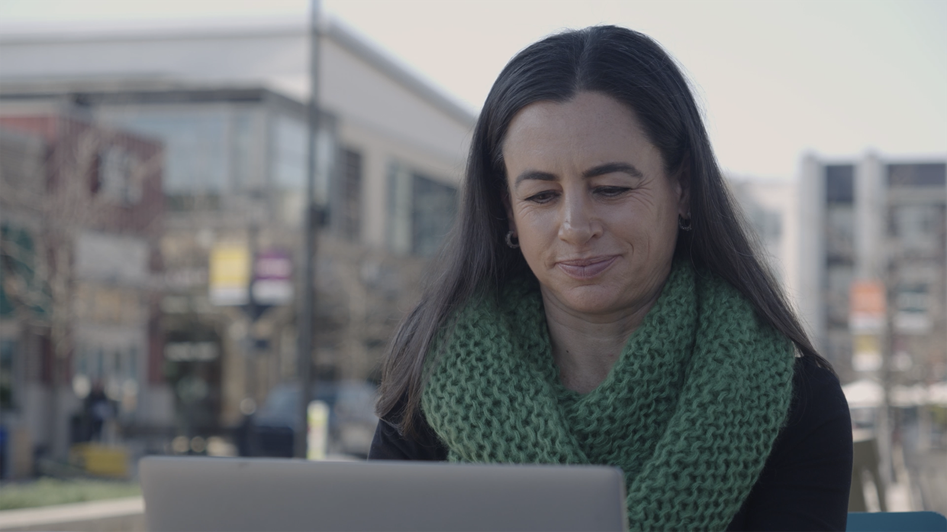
column 804, row 484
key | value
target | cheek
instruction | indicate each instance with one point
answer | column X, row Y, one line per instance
column 664, row 233
column 535, row 237
column 643, row 228
column 530, row 221
column 531, row 235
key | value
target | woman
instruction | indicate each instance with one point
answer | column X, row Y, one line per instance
column 600, row 303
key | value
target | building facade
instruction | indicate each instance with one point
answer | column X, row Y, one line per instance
column 225, row 103
column 81, row 217
column 883, row 221
column 389, row 121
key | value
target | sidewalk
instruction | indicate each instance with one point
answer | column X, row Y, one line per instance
column 102, row 516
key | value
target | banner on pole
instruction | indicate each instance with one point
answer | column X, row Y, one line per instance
column 273, row 278
column 867, row 307
column 229, row 274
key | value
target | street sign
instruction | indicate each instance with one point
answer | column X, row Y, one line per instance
column 867, row 307
column 273, row 278
column 866, row 319
column 229, row 274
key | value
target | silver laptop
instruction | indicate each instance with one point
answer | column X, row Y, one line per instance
column 281, row 495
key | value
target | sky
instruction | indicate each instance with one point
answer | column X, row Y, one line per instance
column 774, row 79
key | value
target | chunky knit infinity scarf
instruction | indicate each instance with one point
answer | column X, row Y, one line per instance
column 690, row 411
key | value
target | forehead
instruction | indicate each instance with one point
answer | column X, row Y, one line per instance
column 590, row 125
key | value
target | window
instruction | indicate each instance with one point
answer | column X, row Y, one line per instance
column 421, row 211
column 912, row 298
column 917, row 175
column 351, row 195
column 247, row 151
column 840, row 233
column 840, row 184
column 912, row 303
column 433, row 214
column 289, row 166
column 195, row 147
column 289, row 156
column 289, row 152
column 916, row 227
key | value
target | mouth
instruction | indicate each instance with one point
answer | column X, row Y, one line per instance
column 585, row 269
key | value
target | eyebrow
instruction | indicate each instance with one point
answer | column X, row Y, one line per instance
column 601, row 169
column 609, row 168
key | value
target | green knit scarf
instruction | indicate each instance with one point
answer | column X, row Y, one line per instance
column 690, row 411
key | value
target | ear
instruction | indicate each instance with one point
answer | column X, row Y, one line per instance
column 683, row 187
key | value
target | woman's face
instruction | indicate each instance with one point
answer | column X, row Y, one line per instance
column 595, row 213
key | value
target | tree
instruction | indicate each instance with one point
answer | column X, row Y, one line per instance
column 83, row 178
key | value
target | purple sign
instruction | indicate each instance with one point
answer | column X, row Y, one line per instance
column 273, row 278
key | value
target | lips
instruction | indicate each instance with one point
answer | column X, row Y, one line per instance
column 585, row 269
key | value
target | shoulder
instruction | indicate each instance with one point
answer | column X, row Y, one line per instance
column 805, row 482
column 818, row 404
column 390, row 443
column 819, row 425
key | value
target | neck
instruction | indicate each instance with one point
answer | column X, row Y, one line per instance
column 584, row 347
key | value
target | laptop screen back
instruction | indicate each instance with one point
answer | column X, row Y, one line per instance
column 278, row 494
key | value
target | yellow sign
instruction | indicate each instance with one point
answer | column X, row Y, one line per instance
column 866, row 343
column 866, row 352
column 229, row 274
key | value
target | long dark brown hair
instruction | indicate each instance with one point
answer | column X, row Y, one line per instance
column 635, row 70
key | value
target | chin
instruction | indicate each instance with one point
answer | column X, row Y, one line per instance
column 590, row 300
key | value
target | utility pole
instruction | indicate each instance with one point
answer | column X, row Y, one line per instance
column 250, row 388
column 304, row 323
column 885, row 422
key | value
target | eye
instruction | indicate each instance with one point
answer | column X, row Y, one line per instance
column 542, row 197
column 610, row 192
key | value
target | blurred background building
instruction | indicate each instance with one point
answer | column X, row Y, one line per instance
column 873, row 292
column 771, row 209
column 81, row 221
column 195, row 298
column 876, row 219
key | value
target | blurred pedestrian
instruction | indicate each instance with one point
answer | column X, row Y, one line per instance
column 600, row 303
column 98, row 410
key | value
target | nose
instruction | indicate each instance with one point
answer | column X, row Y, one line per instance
column 578, row 221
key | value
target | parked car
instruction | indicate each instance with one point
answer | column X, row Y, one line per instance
column 270, row 431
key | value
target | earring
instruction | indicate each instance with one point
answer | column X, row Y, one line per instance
column 510, row 242
column 684, row 223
